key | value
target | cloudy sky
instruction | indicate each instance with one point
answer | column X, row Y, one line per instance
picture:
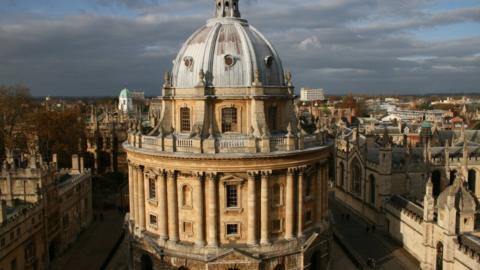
column 96, row 47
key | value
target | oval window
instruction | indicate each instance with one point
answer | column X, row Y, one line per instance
column 188, row 61
column 229, row 60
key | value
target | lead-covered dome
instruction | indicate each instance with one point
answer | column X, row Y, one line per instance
column 230, row 53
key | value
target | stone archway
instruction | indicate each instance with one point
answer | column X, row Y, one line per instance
column 439, row 260
column 472, row 179
column 436, row 181
column 146, row 262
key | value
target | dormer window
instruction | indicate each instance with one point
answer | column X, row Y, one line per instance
column 268, row 61
column 229, row 60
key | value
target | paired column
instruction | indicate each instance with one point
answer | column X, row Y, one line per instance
column 212, row 210
column 141, row 198
column 301, row 177
column 289, row 204
column 199, row 203
column 264, row 217
column 172, row 206
column 162, row 206
column 252, row 207
column 131, row 191
column 320, row 193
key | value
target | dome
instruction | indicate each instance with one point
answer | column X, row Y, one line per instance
column 230, row 52
column 125, row 93
column 464, row 200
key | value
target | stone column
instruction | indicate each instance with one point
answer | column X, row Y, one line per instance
column 289, row 205
column 131, row 196
column 135, row 195
column 264, row 207
column 162, row 206
column 141, row 198
column 200, row 205
column 252, row 210
column 319, row 194
column 172, row 206
column 212, row 211
column 301, row 176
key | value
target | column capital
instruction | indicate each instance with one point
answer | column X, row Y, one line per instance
column 253, row 173
column 266, row 172
column 301, row 169
column 211, row 175
column 291, row 170
column 170, row 173
column 198, row 174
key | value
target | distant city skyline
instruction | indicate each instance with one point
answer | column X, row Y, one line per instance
column 98, row 47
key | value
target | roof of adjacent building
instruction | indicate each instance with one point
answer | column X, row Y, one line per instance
column 125, row 93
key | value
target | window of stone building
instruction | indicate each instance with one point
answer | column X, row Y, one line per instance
column 13, row 264
column 186, row 196
column 66, row 221
column 152, row 189
column 308, row 186
column 2, row 242
column 232, row 196
column 185, row 125
column 153, row 220
column 308, row 216
column 188, row 228
column 229, row 119
column 277, row 225
column 356, row 179
column 232, row 229
column 272, row 118
column 372, row 189
column 277, row 195
column 30, row 251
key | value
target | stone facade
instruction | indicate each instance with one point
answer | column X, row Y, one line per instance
column 423, row 196
column 227, row 179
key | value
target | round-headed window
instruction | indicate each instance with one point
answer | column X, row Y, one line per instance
column 229, row 60
column 188, row 61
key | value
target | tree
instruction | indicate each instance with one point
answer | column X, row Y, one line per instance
column 15, row 103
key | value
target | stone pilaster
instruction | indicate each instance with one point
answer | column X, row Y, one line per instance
column 252, row 209
column 212, row 213
column 319, row 195
column 141, row 198
column 200, row 205
column 162, row 206
column 301, row 177
column 135, row 195
column 172, row 206
column 264, row 216
column 289, row 204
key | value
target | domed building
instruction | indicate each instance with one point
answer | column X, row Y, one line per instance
column 228, row 179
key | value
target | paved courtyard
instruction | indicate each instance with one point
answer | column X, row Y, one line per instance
column 363, row 245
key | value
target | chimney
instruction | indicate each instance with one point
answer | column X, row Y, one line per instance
column 3, row 211
column 75, row 164
column 55, row 161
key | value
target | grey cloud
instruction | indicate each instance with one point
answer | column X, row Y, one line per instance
column 341, row 45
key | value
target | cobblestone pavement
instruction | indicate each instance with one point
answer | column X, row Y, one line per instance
column 339, row 259
column 120, row 259
column 362, row 245
column 93, row 246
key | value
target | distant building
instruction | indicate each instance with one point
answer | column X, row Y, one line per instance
column 125, row 102
column 42, row 211
column 310, row 94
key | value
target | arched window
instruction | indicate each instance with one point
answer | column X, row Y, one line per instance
column 436, row 181
column 439, row 263
column 229, row 119
column 277, row 195
column 356, row 179
column 146, row 262
column 472, row 179
column 272, row 118
column 186, row 196
column 185, row 125
column 372, row 189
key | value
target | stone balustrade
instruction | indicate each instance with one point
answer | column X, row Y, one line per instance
column 226, row 144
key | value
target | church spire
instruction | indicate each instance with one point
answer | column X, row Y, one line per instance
column 227, row 9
